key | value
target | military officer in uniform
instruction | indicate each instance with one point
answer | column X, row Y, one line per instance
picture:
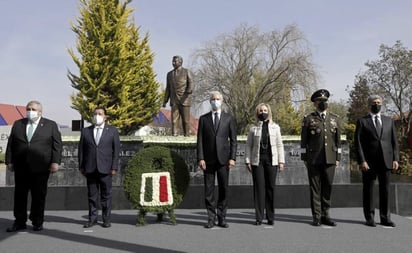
column 321, row 152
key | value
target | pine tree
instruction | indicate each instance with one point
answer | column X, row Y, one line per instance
column 358, row 100
column 114, row 66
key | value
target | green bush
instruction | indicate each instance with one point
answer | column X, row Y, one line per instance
column 2, row 158
column 405, row 163
column 150, row 160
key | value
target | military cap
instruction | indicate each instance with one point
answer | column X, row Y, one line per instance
column 321, row 94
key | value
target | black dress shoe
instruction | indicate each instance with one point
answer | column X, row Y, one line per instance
column 16, row 227
column 106, row 224
column 370, row 223
column 90, row 224
column 328, row 222
column 223, row 224
column 210, row 224
column 388, row 223
column 258, row 223
column 316, row 222
column 270, row 222
column 37, row 228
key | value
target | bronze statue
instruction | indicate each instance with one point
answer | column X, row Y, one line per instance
column 179, row 90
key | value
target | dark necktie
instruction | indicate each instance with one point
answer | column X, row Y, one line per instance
column 378, row 125
column 98, row 135
column 322, row 115
column 216, row 123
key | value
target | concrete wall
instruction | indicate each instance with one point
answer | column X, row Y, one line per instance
column 294, row 174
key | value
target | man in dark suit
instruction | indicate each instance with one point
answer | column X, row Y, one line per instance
column 33, row 152
column 99, row 149
column 179, row 91
column 321, row 152
column 216, row 154
column 378, row 154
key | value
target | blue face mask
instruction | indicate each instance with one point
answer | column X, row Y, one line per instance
column 32, row 115
column 216, row 104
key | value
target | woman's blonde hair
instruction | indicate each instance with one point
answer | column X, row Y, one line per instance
column 258, row 108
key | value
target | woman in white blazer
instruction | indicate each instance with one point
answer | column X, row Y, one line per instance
column 264, row 157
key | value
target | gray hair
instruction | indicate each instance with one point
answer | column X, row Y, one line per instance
column 216, row 93
column 37, row 103
column 371, row 98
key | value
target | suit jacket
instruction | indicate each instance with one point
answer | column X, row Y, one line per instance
column 102, row 157
column 369, row 144
column 320, row 139
column 44, row 148
column 252, row 151
column 216, row 146
column 179, row 87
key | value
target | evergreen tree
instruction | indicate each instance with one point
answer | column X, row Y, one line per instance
column 358, row 100
column 114, row 66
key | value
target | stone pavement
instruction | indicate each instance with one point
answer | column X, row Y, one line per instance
column 292, row 232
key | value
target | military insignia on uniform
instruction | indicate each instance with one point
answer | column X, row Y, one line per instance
column 312, row 132
column 333, row 125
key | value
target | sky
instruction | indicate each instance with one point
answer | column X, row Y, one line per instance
column 343, row 35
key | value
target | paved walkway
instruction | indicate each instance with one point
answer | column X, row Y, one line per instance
column 292, row 232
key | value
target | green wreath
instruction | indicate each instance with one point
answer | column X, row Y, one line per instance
column 149, row 167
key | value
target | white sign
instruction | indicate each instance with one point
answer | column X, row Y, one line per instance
column 4, row 136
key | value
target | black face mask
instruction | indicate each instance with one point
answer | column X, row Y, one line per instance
column 263, row 116
column 323, row 105
column 375, row 108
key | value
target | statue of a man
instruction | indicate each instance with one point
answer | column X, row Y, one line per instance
column 179, row 91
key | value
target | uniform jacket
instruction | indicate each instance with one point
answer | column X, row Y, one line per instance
column 179, row 87
column 216, row 146
column 44, row 148
column 103, row 157
column 370, row 144
column 253, row 144
column 320, row 139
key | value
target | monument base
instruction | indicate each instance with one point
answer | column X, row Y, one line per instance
column 240, row 196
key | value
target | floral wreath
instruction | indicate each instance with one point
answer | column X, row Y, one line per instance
column 155, row 180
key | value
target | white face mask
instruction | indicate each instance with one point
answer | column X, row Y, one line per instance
column 98, row 119
column 216, row 104
column 32, row 115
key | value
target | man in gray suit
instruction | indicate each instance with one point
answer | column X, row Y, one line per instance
column 179, row 91
column 378, row 154
column 216, row 154
column 98, row 153
column 33, row 152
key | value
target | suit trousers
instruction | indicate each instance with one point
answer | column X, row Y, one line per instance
column 320, row 183
column 180, row 120
column 368, row 180
column 264, row 180
column 36, row 183
column 220, row 209
column 99, row 182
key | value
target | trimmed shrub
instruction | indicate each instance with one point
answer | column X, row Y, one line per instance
column 165, row 178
